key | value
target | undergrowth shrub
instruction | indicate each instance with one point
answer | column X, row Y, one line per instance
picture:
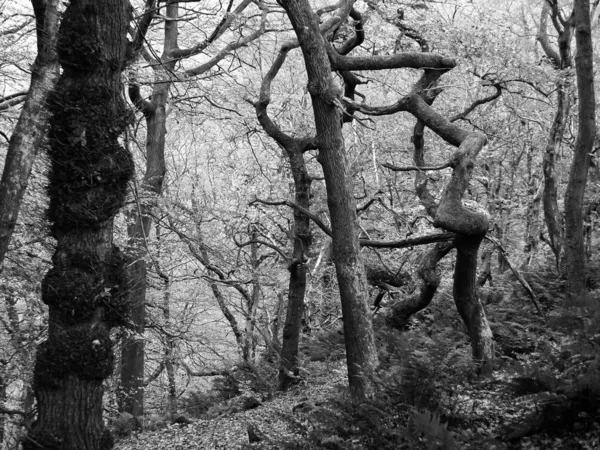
column 567, row 368
column 197, row 403
column 124, row 425
column 411, row 403
column 418, row 369
column 428, row 427
column 324, row 346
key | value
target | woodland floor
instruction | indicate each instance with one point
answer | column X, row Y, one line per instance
column 543, row 395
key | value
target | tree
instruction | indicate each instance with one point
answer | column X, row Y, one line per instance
column 359, row 338
column 294, row 149
column 562, row 61
column 31, row 127
column 574, row 245
column 465, row 218
column 164, row 68
column 85, row 289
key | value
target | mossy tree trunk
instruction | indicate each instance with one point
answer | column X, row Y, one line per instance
column 85, row 289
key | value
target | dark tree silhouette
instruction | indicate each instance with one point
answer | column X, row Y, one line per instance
column 85, row 289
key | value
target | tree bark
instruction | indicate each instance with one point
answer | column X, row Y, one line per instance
column 574, row 241
column 361, row 352
column 289, row 370
column 85, row 289
column 31, row 126
column 535, row 191
column 429, row 275
column 467, row 301
column 561, row 59
column 131, row 396
column 550, row 195
column 294, row 149
column 469, row 220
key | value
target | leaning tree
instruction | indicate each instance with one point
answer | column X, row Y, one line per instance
column 31, row 127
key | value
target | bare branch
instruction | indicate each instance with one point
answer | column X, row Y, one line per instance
column 232, row 46
column 479, row 102
column 304, row 211
column 142, row 27
column 266, row 244
column 13, row 101
column 226, row 21
column 517, row 274
column 408, row 60
column 414, row 168
column 9, row 411
column 411, row 242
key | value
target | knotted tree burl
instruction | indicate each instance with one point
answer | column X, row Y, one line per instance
column 85, row 289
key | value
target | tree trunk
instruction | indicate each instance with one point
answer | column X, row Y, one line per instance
column 561, row 60
column 361, row 352
column 574, row 243
column 466, row 218
column 131, row 389
column 535, row 191
column 85, row 289
column 485, row 275
column 429, row 275
column 31, row 126
column 252, row 300
column 288, row 370
column 169, row 351
column 467, row 301
column 133, row 354
column 550, row 195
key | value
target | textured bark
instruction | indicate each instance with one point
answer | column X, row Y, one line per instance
column 467, row 219
column 552, row 215
column 252, row 300
column 169, row 346
column 131, row 391
column 358, row 330
column 85, row 288
column 132, row 369
column 535, row 191
column 31, row 126
column 131, row 398
column 485, row 274
column 561, row 59
column 574, row 242
column 298, row 271
column 429, row 281
column 467, row 302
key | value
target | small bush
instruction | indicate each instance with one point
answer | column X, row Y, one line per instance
column 154, row 422
column 124, row 425
column 197, row 403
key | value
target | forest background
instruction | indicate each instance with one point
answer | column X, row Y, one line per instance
column 215, row 227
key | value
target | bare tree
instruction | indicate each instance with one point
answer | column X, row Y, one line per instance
column 165, row 67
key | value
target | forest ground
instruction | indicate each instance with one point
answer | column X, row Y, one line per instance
column 544, row 394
